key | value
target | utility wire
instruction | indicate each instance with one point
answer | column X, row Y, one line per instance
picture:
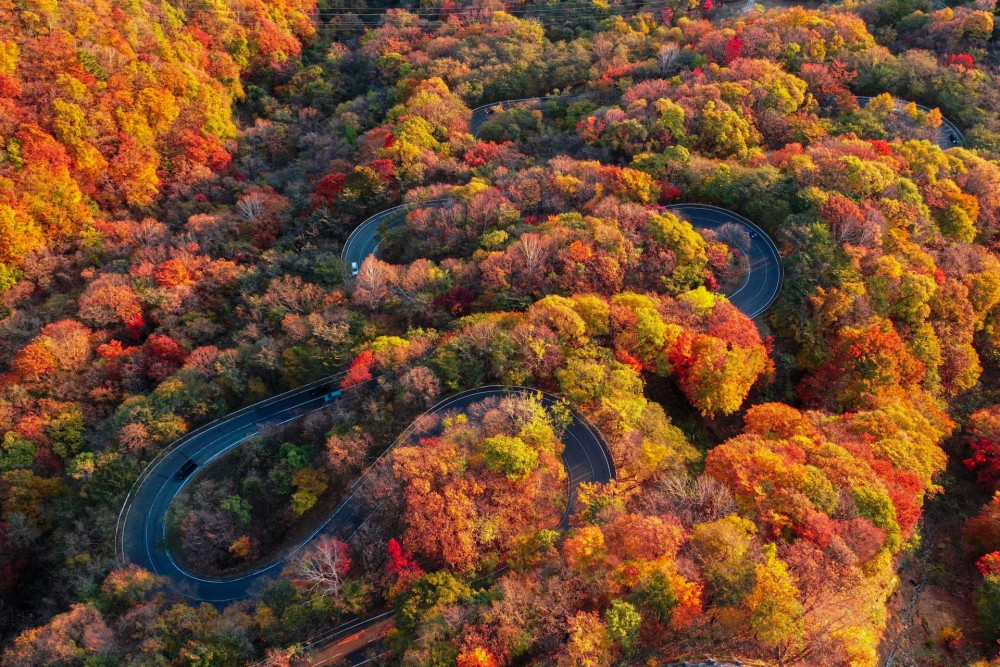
column 345, row 11
column 360, row 24
column 375, row 20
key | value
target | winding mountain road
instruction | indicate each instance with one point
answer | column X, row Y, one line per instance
column 763, row 281
column 143, row 525
column 483, row 113
column 753, row 297
column 948, row 135
column 141, row 534
column 365, row 239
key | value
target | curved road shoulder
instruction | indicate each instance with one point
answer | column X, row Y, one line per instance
column 948, row 135
column 141, row 535
column 763, row 281
column 365, row 240
column 144, row 525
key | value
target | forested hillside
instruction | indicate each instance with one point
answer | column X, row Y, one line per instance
column 178, row 181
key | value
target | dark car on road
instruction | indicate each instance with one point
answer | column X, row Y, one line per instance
column 320, row 390
column 185, row 470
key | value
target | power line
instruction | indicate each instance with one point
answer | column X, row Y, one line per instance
column 515, row 11
column 360, row 24
column 362, row 20
column 355, row 21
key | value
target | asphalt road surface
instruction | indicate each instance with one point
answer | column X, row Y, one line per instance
column 351, row 642
column 763, row 282
column 141, row 529
column 142, row 526
column 483, row 113
column 365, row 239
column 140, row 535
column 948, row 135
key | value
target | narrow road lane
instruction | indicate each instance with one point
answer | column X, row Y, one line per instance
column 144, row 528
column 365, row 240
column 141, row 530
column 763, row 282
column 947, row 136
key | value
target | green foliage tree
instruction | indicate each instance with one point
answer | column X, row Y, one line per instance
column 238, row 506
column 510, row 456
column 623, row 623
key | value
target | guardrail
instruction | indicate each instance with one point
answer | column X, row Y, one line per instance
column 901, row 104
column 379, row 217
column 483, row 110
column 761, row 233
column 120, row 555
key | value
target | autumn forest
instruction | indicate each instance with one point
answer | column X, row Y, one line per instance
column 469, row 333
